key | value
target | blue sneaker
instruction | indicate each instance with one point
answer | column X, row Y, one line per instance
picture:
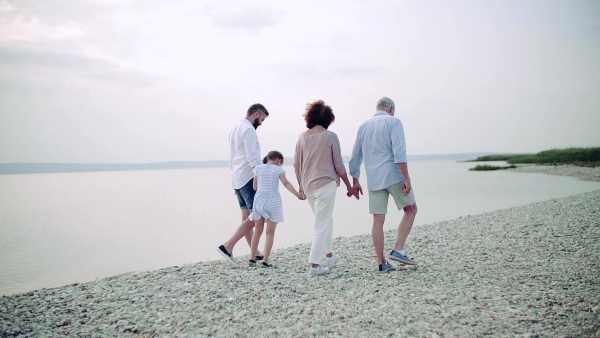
column 396, row 256
column 386, row 267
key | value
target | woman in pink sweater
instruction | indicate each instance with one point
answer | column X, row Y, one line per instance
column 319, row 166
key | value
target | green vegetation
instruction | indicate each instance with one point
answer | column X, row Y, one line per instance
column 486, row 158
column 486, row 167
column 575, row 156
column 585, row 157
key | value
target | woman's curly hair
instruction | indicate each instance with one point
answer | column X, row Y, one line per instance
column 318, row 113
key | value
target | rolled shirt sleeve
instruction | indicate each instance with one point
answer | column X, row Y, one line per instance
column 398, row 141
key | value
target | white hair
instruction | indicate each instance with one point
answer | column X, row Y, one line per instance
column 385, row 102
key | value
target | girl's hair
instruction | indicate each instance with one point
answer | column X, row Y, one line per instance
column 273, row 155
column 318, row 113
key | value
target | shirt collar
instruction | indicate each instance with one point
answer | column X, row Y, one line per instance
column 250, row 123
column 382, row 112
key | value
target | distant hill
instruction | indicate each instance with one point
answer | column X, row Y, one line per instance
column 38, row 168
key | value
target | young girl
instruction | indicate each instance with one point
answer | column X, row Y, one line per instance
column 267, row 203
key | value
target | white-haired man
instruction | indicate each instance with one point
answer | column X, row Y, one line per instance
column 380, row 143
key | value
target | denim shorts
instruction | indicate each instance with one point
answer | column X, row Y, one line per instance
column 245, row 195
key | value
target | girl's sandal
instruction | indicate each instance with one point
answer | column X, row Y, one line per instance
column 267, row 265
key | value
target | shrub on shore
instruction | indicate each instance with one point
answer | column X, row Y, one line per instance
column 486, row 167
column 585, row 157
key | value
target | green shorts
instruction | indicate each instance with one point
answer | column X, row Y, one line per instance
column 378, row 199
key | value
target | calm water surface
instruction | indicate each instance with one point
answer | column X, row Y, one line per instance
column 58, row 229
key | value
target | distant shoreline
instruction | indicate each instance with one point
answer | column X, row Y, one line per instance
column 47, row 168
column 583, row 173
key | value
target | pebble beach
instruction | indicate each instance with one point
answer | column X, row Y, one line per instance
column 528, row 271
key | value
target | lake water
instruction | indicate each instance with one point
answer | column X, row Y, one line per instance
column 62, row 228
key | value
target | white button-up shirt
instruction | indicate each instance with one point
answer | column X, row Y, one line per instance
column 244, row 153
column 380, row 142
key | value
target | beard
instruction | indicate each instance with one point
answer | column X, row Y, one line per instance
column 255, row 123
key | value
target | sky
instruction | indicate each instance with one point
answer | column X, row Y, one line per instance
column 122, row 81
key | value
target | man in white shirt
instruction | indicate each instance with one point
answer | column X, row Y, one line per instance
column 380, row 143
column 244, row 156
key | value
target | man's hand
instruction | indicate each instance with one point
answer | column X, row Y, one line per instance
column 357, row 189
column 406, row 187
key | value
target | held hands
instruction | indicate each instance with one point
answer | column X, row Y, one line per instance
column 350, row 191
column 301, row 196
column 355, row 191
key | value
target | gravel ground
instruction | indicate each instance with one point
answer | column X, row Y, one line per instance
column 529, row 271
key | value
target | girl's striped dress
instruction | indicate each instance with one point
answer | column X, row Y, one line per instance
column 267, row 201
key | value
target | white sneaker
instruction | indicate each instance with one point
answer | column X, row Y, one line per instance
column 333, row 260
column 319, row 270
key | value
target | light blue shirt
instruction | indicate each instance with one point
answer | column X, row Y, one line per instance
column 380, row 143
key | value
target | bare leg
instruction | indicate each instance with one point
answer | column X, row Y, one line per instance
column 258, row 230
column 246, row 226
column 405, row 226
column 243, row 230
column 269, row 239
column 248, row 235
column 378, row 237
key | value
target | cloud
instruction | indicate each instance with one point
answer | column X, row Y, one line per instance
column 248, row 18
column 25, row 66
column 57, row 11
column 91, row 26
column 46, row 58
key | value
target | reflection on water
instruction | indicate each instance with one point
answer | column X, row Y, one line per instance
column 57, row 229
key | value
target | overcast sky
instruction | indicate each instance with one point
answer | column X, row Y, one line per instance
column 149, row 81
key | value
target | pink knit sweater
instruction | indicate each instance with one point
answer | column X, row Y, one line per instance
column 318, row 160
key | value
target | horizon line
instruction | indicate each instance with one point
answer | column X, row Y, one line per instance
column 227, row 160
column 19, row 168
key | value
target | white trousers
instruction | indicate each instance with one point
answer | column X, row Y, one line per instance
column 321, row 202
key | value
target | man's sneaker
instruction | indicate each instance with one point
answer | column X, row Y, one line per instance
column 385, row 267
column 333, row 260
column 267, row 265
column 251, row 263
column 396, row 256
column 319, row 270
column 226, row 254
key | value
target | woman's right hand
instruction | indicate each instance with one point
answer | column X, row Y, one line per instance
column 349, row 191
